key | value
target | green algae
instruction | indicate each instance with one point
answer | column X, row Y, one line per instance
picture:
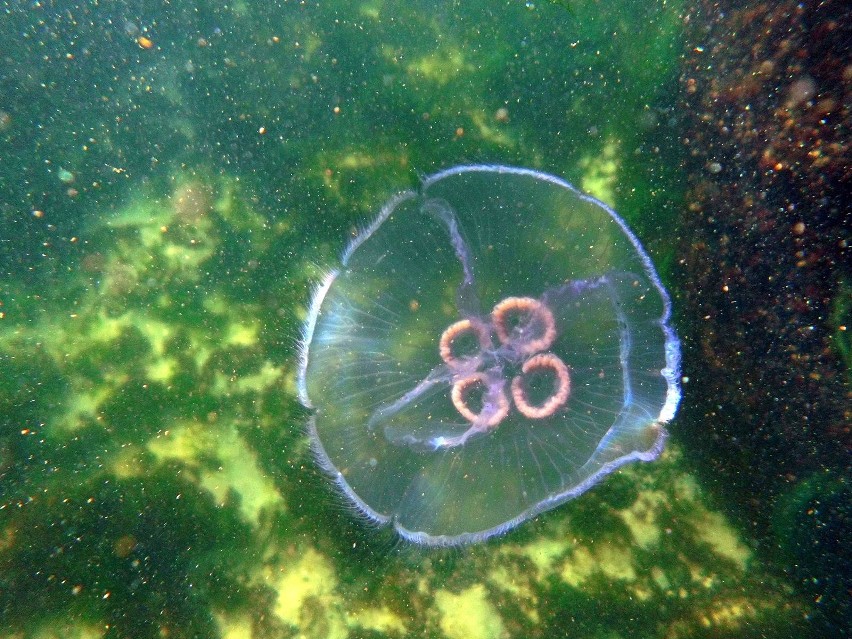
column 134, row 556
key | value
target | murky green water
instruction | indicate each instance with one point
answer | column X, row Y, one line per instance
column 174, row 180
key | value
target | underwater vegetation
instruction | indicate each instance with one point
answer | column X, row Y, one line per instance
column 176, row 178
column 161, row 483
column 112, row 550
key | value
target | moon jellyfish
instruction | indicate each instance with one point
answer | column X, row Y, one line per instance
column 493, row 344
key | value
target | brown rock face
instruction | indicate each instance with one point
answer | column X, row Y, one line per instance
column 767, row 265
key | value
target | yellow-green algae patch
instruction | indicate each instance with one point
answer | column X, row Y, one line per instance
column 468, row 614
column 235, row 627
column 161, row 370
column 242, row 333
column 669, row 546
column 309, row 598
column 226, row 383
column 600, row 172
column 83, row 406
column 371, row 10
column 610, row 560
column 381, row 619
column 89, row 332
column 545, row 552
column 236, row 468
column 307, row 595
column 515, row 580
column 488, row 129
column 640, row 517
column 714, row 529
column 441, row 66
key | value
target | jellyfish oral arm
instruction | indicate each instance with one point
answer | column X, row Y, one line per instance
column 386, row 412
column 466, row 295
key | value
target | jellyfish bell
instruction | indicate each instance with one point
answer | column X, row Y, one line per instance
column 494, row 344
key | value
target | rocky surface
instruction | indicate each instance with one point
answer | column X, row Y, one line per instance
column 766, row 272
